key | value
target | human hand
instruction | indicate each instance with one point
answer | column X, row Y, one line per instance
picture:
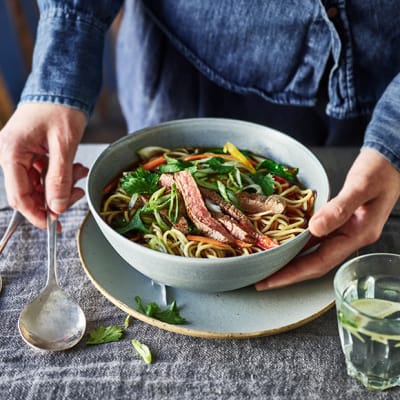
column 353, row 219
column 39, row 134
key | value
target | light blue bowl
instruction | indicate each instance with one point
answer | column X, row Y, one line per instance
column 205, row 275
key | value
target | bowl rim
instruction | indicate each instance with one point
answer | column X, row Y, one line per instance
column 203, row 120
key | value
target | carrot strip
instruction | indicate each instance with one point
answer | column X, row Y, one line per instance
column 265, row 242
column 241, row 244
column 111, row 186
column 154, row 163
column 254, row 163
column 204, row 239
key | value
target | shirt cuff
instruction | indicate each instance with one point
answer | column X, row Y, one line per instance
column 67, row 60
column 383, row 131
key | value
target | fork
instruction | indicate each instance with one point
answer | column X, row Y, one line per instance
column 15, row 220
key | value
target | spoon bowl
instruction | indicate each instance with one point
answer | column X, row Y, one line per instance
column 52, row 321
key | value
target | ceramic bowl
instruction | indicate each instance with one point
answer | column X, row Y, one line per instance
column 205, row 275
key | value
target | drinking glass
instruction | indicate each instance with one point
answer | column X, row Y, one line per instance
column 367, row 290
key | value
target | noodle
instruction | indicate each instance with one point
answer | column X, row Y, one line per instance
column 152, row 217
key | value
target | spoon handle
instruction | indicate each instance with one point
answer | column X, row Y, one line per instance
column 51, row 249
column 15, row 220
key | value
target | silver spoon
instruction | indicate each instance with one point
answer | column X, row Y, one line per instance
column 15, row 220
column 52, row 321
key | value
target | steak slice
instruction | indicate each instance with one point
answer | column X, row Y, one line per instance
column 166, row 180
column 254, row 203
column 234, row 228
column 238, row 217
column 237, row 222
column 197, row 210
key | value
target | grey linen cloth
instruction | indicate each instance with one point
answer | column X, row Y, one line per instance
column 305, row 363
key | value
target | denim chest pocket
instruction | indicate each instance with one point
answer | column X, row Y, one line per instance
column 272, row 50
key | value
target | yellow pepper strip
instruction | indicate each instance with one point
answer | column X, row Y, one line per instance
column 239, row 156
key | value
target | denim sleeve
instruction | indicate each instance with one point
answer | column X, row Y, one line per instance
column 383, row 131
column 68, row 53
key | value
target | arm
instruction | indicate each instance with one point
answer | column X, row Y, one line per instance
column 357, row 215
column 58, row 97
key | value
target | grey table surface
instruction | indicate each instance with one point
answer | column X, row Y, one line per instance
column 304, row 363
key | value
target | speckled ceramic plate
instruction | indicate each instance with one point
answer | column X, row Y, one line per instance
column 242, row 313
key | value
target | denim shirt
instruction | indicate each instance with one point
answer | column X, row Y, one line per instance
column 274, row 51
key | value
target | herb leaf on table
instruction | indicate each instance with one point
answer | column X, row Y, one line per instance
column 105, row 334
column 143, row 350
column 169, row 315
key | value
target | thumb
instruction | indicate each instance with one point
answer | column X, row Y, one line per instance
column 336, row 212
column 59, row 178
column 58, row 186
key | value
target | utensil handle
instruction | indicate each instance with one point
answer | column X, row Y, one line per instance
column 15, row 220
column 52, row 222
column 51, row 249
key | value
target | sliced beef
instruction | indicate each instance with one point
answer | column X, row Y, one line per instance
column 237, row 222
column 181, row 223
column 234, row 227
column 237, row 215
column 166, row 180
column 197, row 210
column 254, row 203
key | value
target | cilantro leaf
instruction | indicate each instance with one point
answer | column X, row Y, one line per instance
column 135, row 223
column 175, row 165
column 105, row 334
column 217, row 164
column 169, row 315
column 266, row 183
column 139, row 181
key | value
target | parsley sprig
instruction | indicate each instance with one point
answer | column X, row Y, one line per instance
column 105, row 334
column 169, row 315
column 139, row 181
column 114, row 333
column 175, row 165
column 266, row 182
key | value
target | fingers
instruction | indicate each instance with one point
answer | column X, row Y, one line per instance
column 29, row 191
column 62, row 174
column 331, row 252
column 353, row 219
column 61, row 192
column 59, row 174
column 362, row 188
column 362, row 228
column 338, row 210
column 64, row 185
column 79, row 172
column 335, row 213
column 33, row 132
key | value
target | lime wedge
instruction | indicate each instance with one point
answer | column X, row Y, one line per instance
column 378, row 308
